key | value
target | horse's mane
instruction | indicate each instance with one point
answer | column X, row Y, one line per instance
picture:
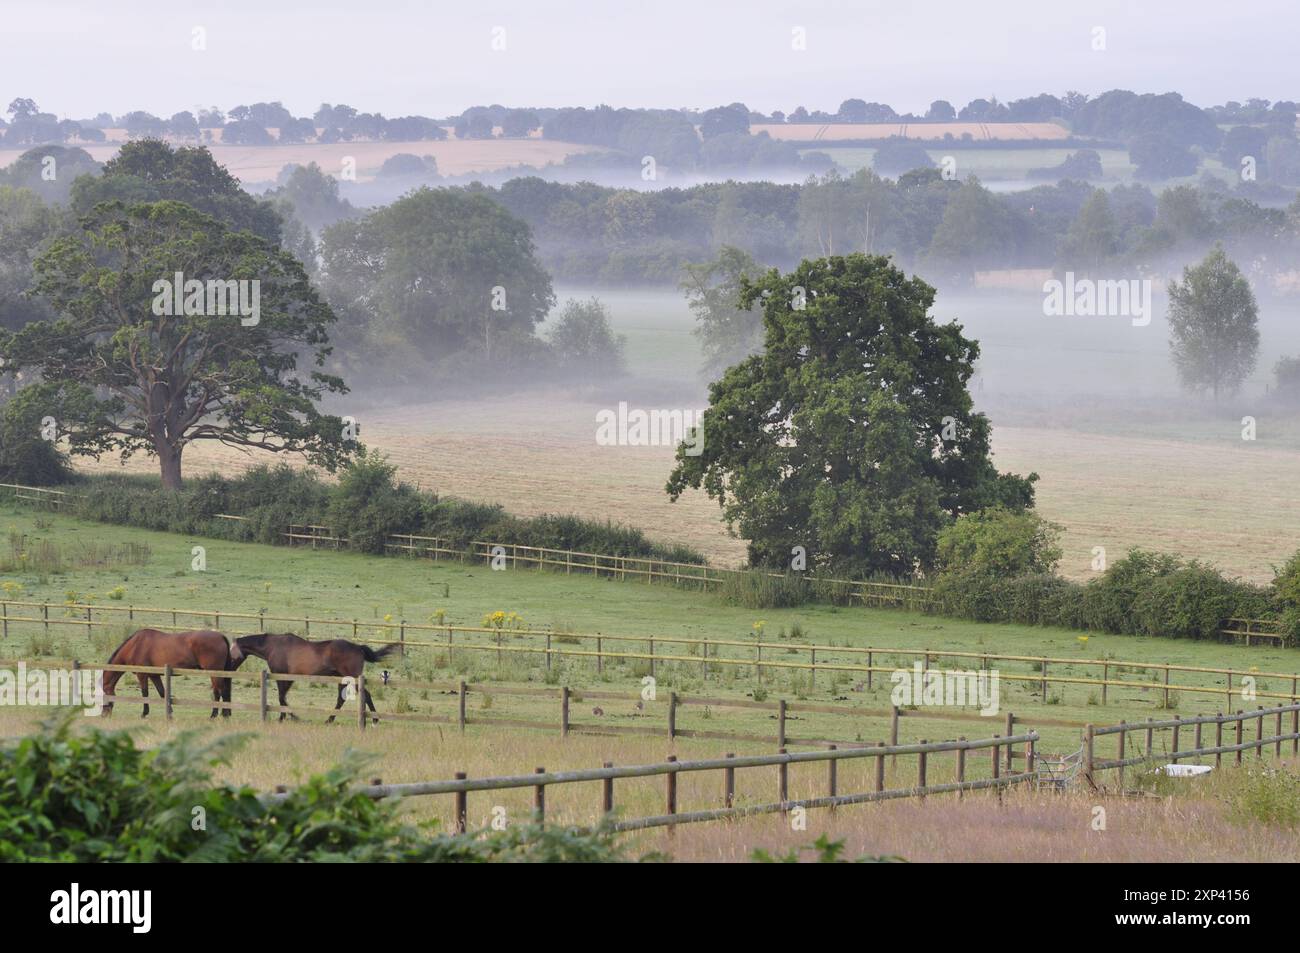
column 120, row 647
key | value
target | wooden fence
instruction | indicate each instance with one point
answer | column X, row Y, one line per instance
column 1178, row 732
column 563, row 698
column 897, row 595
column 595, row 648
column 998, row 747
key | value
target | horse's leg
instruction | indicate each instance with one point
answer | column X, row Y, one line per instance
column 110, row 685
column 158, row 687
column 216, row 696
column 371, row 702
column 283, row 688
column 339, row 704
column 225, row 695
column 144, row 690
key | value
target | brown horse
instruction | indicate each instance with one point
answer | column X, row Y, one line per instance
column 198, row 649
column 289, row 654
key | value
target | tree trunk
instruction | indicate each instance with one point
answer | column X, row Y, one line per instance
column 169, row 459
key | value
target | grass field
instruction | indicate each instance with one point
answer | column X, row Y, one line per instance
column 325, row 584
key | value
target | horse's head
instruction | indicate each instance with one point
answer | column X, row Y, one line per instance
column 245, row 646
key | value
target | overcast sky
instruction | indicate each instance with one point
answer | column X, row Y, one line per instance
column 436, row 58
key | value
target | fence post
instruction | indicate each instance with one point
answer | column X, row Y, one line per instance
column 1295, row 725
column 704, row 661
column 1218, row 739
column 261, row 691
column 1277, row 751
column 607, row 793
column 1240, row 732
column 812, row 672
column 401, row 636
column 780, row 723
column 1123, row 732
column 869, row 668
column 450, row 649
column 782, row 780
column 961, row 767
column 893, row 729
column 167, row 691
column 87, row 622
column 1011, row 730
column 461, row 798
column 564, row 711
column 997, row 757
column 831, row 779
column 880, row 768
column 45, row 615
column 599, row 660
column 672, row 716
column 1197, row 739
column 1030, row 756
column 1088, row 753
column 1259, row 736
column 1043, row 684
column 1177, row 724
column 671, row 792
column 729, row 784
column 652, row 658
column 920, row 771
column 460, row 716
column 361, row 701
column 1166, row 688
column 539, row 800
column 1105, row 681
column 4, row 608
column 1150, row 737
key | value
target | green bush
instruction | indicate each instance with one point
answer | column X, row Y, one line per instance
column 93, row 796
column 367, row 503
column 999, row 542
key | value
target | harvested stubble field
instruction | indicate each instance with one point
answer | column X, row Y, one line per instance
column 1230, row 503
column 455, row 156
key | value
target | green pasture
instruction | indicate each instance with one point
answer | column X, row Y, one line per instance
column 48, row 557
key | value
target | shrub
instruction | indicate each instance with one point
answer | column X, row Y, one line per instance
column 999, row 542
column 368, row 504
column 1267, row 795
column 93, row 796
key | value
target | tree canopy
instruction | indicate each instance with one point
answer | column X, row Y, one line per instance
column 852, row 434
column 126, row 371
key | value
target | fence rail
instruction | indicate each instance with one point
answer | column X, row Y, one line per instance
column 1175, row 751
column 563, row 698
column 461, row 785
column 706, row 653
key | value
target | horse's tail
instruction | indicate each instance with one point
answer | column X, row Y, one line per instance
column 373, row 655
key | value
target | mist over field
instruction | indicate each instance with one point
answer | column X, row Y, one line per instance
column 811, row 430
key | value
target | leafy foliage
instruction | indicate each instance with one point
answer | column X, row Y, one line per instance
column 95, row 797
column 852, row 434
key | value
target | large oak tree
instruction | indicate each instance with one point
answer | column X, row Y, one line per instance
column 120, row 377
column 852, row 434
